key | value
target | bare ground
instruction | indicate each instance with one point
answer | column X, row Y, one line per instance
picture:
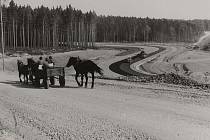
column 113, row 110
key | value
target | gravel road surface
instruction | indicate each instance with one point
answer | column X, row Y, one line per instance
column 113, row 110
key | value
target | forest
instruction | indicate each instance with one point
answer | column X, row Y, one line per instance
column 26, row 28
column 132, row 29
column 44, row 28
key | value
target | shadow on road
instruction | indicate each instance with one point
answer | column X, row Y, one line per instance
column 30, row 85
column 57, row 86
column 18, row 84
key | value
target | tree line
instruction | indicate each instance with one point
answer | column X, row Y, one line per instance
column 44, row 28
column 132, row 29
column 26, row 28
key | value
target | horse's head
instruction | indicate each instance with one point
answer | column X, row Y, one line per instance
column 33, row 65
column 19, row 62
column 30, row 61
column 72, row 61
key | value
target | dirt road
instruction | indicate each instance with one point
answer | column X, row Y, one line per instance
column 137, row 66
column 113, row 110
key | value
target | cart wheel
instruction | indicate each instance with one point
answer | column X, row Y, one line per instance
column 62, row 81
column 52, row 80
column 37, row 82
column 46, row 84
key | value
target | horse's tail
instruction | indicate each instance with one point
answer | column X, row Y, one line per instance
column 98, row 70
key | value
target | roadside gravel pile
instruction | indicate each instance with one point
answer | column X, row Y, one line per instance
column 169, row 78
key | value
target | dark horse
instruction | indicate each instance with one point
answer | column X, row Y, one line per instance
column 23, row 70
column 33, row 67
column 34, row 73
column 84, row 67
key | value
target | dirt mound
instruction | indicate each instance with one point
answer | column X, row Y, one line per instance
column 170, row 78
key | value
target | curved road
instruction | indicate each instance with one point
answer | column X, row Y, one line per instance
column 156, row 66
column 126, row 68
column 137, row 66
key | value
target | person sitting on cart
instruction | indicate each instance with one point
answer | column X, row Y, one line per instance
column 42, row 70
column 45, row 63
column 51, row 65
column 40, row 62
column 51, row 62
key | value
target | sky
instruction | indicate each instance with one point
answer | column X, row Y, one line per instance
column 171, row 9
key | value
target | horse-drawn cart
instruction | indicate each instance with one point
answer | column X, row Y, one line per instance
column 57, row 73
column 48, row 75
column 45, row 72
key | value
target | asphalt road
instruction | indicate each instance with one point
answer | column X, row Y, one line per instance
column 123, row 67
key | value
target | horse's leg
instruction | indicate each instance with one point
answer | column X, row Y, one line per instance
column 92, row 80
column 82, row 78
column 76, row 78
column 31, row 78
column 20, row 77
column 26, row 78
column 86, row 77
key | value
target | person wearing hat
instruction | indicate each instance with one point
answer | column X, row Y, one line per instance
column 51, row 62
column 40, row 62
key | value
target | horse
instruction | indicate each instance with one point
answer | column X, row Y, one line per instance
column 23, row 70
column 33, row 66
column 83, row 67
column 34, row 73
